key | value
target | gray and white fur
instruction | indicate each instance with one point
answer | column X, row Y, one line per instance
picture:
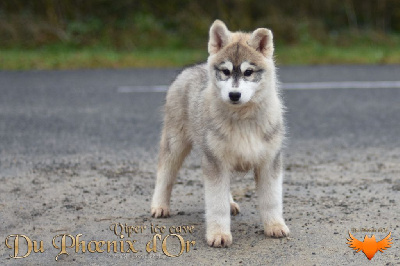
column 231, row 109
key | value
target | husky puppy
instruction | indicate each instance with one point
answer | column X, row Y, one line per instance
column 231, row 109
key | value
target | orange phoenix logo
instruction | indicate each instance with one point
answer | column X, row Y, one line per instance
column 369, row 246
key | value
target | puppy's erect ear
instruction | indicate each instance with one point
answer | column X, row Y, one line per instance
column 261, row 40
column 219, row 37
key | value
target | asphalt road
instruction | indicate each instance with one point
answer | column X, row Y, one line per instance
column 77, row 155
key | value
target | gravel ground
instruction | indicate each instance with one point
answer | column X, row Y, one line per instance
column 59, row 177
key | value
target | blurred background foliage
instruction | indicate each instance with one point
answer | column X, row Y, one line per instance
column 127, row 25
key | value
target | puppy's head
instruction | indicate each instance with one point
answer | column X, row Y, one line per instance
column 240, row 64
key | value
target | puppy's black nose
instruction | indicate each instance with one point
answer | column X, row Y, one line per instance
column 234, row 96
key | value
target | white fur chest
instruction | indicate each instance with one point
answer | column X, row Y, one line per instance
column 240, row 146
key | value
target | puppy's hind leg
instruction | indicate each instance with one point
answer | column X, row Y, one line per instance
column 234, row 206
column 174, row 147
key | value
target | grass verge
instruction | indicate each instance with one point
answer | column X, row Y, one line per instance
column 65, row 57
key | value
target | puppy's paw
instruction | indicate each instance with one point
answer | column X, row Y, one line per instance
column 276, row 230
column 234, row 208
column 160, row 212
column 219, row 240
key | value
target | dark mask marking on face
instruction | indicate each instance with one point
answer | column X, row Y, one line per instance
column 257, row 75
column 219, row 75
column 236, row 74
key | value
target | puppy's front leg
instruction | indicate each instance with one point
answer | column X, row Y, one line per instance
column 269, row 190
column 172, row 154
column 218, row 209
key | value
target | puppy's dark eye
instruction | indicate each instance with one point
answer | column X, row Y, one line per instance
column 248, row 72
column 226, row 72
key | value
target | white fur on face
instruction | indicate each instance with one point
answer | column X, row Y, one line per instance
column 247, row 86
column 226, row 65
column 246, row 89
column 246, row 65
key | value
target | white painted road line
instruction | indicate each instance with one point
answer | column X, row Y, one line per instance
column 288, row 86
column 341, row 85
column 129, row 89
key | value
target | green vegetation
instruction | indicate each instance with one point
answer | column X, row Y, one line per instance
column 71, row 34
column 65, row 57
column 355, row 53
column 95, row 57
